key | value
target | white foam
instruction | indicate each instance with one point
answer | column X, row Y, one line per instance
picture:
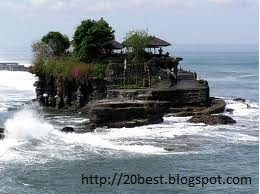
column 3, row 107
column 247, row 109
column 133, row 140
column 20, row 81
column 21, row 131
column 15, row 88
column 26, row 124
column 105, row 142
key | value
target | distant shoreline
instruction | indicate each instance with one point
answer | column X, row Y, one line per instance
column 9, row 66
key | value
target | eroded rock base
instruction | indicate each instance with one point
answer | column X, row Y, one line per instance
column 212, row 119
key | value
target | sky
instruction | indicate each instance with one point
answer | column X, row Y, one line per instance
column 177, row 21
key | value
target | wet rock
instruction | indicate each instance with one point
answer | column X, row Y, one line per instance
column 80, row 97
column 212, row 119
column 178, row 148
column 118, row 114
column 169, row 149
column 51, row 101
column 67, row 102
column 59, row 102
column 68, row 130
column 2, row 136
column 135, row 123
column 89, row 127
column 240, row 99
column 184, row 114
column 217, row 106
column 12, row 109
column 230, row 110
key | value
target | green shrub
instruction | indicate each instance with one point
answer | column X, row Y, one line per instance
column 65, row 66
column 89, row 37
column 57, row 42
column 69, row 67
column 99, row 70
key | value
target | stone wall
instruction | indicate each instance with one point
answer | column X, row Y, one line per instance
column 184, row 97
column 185, row 93
column 125, row 113
column 60, row 91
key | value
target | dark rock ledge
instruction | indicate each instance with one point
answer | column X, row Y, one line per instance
column 240, row 99
column 68, row 130
column 118, row 113
column 117, row 108
column 127, row 113
column 212, row 119
column 217, row 105
column 2, row 130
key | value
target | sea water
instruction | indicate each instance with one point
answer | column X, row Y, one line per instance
column 35, row 157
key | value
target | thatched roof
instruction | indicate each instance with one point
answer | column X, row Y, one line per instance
column 157, row 42
column 112, row 44
column 154, row 42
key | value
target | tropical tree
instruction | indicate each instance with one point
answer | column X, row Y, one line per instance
column 136, row 42
column 89, row 37
column 41, row 50
column 57, row 42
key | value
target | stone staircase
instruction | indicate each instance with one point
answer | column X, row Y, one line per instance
column 186, row 75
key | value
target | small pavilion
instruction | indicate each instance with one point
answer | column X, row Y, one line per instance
column 112, row 45
column 154, row 43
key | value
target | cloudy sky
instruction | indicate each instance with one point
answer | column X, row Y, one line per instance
column 178, row 21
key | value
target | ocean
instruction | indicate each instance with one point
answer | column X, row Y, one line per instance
column 35, row 157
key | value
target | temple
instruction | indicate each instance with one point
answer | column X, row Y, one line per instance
column 155, row 67
column 133, row 92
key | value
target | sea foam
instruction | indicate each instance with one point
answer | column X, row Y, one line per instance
column 21, row 81
column 26, row 124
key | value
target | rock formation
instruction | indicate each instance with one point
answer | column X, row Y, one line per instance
column 118, row 114
column 113, row 107
column 68, row 130
column 240, row 99
column 212, row 119
column 2, row 130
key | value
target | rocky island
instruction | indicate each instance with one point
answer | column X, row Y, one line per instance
column 116, row 84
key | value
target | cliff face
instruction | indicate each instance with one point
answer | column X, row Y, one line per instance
column 184, row 93
column 60, row 91
column 127, row 107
